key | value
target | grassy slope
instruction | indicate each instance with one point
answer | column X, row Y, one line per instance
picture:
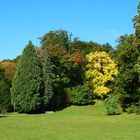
column 73, row 123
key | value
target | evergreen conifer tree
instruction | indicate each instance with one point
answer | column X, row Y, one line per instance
column 48, row 89
column 26, row 87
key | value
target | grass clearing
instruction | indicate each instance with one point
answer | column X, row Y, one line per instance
column 72, row 123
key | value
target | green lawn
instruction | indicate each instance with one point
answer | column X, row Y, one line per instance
column 73, row 123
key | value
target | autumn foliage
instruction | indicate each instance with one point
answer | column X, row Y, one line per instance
column 10, row 69
column 101, row 70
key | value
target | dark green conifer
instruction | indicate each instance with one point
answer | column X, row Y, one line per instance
column 47, row 79
column 26, row 87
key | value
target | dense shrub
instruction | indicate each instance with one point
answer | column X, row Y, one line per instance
column 112, row 106
column 138, row 110
column 59, row 100
column 81, row 95
column 133, row 108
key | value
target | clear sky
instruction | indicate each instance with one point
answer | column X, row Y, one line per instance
column 97, row 20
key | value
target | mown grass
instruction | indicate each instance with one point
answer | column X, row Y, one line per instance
column 73, row 123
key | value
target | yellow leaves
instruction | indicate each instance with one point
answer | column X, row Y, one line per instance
column 101, row 69
column 102, row 90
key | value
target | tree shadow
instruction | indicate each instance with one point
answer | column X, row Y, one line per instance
column 3, row 116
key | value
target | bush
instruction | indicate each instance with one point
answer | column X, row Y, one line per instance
column 3, row 111
column 81, row 95
column 138, row 110
column 131, row 109
column 112, row 106
column 59, row 100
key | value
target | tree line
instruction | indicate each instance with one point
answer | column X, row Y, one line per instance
column 63, row 71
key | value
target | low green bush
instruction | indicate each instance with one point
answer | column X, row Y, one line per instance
column 131, row 109
column 81, row 95
column 3, row 111
column 138, row 110
column 112, row 106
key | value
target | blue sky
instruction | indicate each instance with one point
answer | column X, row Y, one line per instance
column 97, row 20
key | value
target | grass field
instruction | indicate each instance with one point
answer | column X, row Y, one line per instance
column 73, row 123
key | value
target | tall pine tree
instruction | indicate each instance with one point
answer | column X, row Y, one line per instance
column 47, row 79
column 26, row 87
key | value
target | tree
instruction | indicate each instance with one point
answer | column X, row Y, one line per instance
column 15, row 60
column 127, row 83
column 5, row 96
column 107, row 48
column 54, row 48
column 126, row 86
column 136, row 104
column 137, row 67
column 81, row 95
column 59, row 38
column 26, row 87
column 47, row 79
column 136, row 21
column 101, row 71
column 10, row 69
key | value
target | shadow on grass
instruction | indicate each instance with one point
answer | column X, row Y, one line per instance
column 3, row 116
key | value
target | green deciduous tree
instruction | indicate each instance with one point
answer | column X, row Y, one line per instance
column 5, row 96
column 26, row 87
column 137, row 97
column 136, row 21
column 137, row 67
column 54, row 48
column 127, row 83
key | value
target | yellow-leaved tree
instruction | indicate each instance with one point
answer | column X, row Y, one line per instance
column 101, row 71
